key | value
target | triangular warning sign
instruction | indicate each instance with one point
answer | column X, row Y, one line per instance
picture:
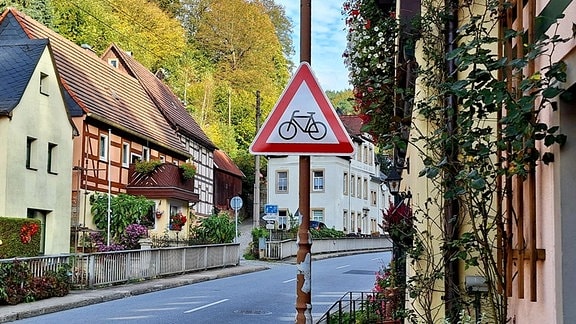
column 303, row 122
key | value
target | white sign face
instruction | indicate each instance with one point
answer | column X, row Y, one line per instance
column 302, row 122
column 270, row 217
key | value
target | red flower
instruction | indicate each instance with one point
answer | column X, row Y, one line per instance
column 27, row 231
column 177, row 221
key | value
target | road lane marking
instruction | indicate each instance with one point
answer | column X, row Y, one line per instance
column 205, row 306
column 287, row 281
column 127, row 318
column 344, row 266
column 155, row 309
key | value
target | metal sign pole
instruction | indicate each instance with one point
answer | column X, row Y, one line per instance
column 303, row 256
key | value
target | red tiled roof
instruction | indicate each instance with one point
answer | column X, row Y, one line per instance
column 168, row 103
column 223, row 162
column 353, row 124
column 104, row 93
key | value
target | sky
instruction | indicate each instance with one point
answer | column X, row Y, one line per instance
column 328, row 41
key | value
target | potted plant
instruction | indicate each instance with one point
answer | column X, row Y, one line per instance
column 188, row 170
column 146, row 167
column 177, row 221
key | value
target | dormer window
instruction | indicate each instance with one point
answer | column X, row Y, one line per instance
column 44, row 83
column 113, row 62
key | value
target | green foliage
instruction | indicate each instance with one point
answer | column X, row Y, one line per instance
column 146, row 167
column 326, row 233
column 370, row 58
column 259, row 232
column 18, row 285
column 215, row 229
column 138, row 26
column 473, row 104
column 188, row 170
column 20, row 237
column 125, row 210
column 342, row 101
column 37, row 9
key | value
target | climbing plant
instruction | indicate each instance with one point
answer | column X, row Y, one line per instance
column 480, row 116
column 475, row 104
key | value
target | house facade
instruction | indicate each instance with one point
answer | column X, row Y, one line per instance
column 36, row 134
column 346, row 193
column 227, row 180
column 538, row 259
column 195, row 141
column 124, row 114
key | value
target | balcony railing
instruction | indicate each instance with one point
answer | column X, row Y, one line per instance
column 165, row 181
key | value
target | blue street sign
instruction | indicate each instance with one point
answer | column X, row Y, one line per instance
column 271, row 209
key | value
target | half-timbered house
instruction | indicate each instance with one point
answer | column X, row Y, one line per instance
column 120, row 122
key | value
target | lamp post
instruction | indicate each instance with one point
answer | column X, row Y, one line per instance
column 401, row 238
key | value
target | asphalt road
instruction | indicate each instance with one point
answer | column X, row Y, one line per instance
column 261, row 297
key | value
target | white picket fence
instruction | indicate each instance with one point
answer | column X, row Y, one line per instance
column 106, row 268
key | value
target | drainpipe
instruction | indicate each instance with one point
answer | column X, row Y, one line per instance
column 109, row 211
column 451, row 207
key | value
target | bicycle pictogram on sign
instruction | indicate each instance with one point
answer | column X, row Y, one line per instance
column 305, row 123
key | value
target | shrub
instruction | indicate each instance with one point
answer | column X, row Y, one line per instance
column 188, row 170
column 216, row 229
column 20, row 237
column 18, row 285
column 132, row 234
column 146, row 166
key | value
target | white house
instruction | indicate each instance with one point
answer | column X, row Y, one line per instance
column 346, row 193
column 36, row 135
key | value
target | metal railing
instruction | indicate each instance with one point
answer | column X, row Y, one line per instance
column 361, row 307
column 279, row 250
column 106, row 268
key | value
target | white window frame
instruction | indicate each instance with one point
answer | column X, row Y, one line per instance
column 317, row 214
column 346, row 183
column 125, row 154
column 278, row 187
column 135, row 157
column 145, row 153
column 103, row 147
column 318, row 182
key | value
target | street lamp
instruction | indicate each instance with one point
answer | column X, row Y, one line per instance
column 393, row 181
